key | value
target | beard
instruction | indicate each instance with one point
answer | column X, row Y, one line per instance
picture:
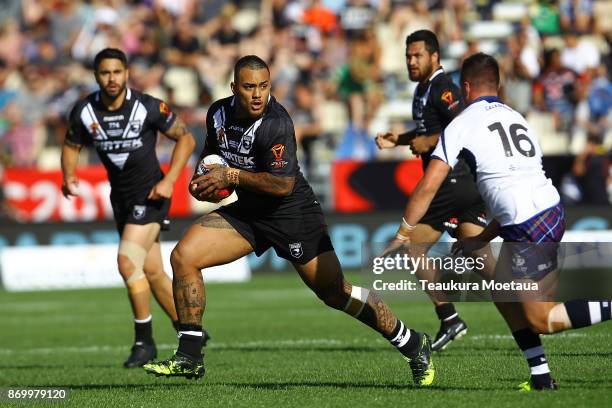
column 116, row 95
column 422, row 74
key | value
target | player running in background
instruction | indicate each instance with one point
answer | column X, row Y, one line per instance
column 506, row 158
column 457, row 207
column 276, row 208
column 122, row 126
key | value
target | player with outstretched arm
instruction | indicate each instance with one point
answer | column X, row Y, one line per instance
column 457, row 207
column 506, row 159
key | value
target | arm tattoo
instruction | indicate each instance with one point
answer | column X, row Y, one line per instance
column 214, row 220
column 177, row 130
column 266, row 183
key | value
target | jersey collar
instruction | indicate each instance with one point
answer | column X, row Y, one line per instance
column 488, row 99
column 436, row 73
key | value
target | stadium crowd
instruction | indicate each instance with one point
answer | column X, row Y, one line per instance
column 337, row 65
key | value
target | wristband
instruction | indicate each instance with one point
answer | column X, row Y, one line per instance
column 232, row 176
column 401, row 237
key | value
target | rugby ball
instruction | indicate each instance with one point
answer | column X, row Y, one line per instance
column 214, row 159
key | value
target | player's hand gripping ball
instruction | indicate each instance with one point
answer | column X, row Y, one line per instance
column 202, row 170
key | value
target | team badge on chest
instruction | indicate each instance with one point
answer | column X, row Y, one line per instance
column 246, row 144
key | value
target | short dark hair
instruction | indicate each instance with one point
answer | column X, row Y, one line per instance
column 251, row 62
column 428, row 37
column 109, row 53
column 481, row 69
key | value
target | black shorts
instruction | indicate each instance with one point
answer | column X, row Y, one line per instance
column 140, row 211
column 457, row 201
column 296, row 237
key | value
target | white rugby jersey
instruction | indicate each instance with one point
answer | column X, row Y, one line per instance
column 505, row 156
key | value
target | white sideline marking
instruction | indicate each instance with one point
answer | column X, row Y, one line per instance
column 270, row 344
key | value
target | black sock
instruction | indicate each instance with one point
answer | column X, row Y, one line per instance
column 407, row 341
column 190, row 341
column 447, row 314
column 583, row 313
column 143, row 330
column 531, row 346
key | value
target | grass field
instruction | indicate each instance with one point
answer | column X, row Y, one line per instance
column 275, row 344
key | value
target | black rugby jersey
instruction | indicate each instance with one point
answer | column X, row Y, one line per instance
column 125, row 138
column 436, row 103
column 266, row 144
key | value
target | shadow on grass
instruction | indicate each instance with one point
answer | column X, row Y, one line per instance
column 349, row 385
column 55, row 366
column 128, row 387
column 568, row 383
column 324, row 349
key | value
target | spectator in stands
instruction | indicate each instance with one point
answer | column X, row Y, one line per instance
column 554, row 91
column 579, row 55
column 591, row 170
column 358, row 85
column 306, row 120
column 545, row 17
column 576, row 15
column 356, row 17
column 22, row 141
column 521, row 66
column 7, row 211
column 6, row 94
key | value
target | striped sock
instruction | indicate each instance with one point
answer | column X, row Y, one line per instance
column 531, row 346
column 447, row 314
column 583, row 313
column 407, row 341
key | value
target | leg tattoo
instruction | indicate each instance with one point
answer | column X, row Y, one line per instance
column 214, row 220
column 189, row 299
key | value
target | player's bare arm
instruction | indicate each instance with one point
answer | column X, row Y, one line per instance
column 185, row 144
column 468, row 245
column 422, row 144
column 260, row 182
column 419, row 203
column 70, row 160
column 425, row 191
column 389, row 140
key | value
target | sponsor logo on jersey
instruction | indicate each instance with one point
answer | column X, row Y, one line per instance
column 236, row 128
column 278, row 151
column 164, row 109
column 139, row 211
column 447, row 97
column 296, row 249
column 112, row 118
column 111, row 145
column 248, row 162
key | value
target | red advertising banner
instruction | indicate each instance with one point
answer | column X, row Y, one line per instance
column 370, row 186
column 37, row 195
